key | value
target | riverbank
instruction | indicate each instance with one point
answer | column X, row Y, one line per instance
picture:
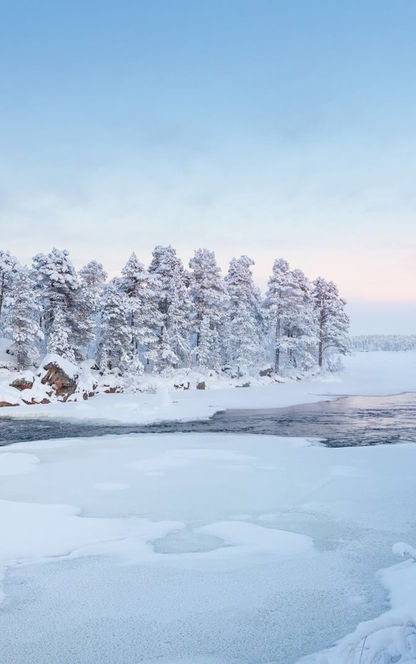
column 376, row 373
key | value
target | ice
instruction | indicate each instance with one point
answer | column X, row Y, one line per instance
column 17, row 464
column 110, row 486
column 209, row 548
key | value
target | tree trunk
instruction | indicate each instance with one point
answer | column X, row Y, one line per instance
column 2, row 292
column 277, row 351
column 321, row 339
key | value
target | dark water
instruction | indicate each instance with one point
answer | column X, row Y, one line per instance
column 347, row 421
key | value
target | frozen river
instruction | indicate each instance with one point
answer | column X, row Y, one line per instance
column 195, row 547
column 346, row 421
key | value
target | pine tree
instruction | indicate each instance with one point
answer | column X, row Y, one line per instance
column 178, row 318
column 299, row 324
column 8, row 269
column 208, row 297
column 144, row 315
column 114, row 349
column 22, row 319
column 59, row 341
column 88, row 304
column 93, row 275
column 276, row 304
column 169, row 282
column 206, row 352
column 242, row 344
column 58, row 283
column 82, row 320
column 332, row 321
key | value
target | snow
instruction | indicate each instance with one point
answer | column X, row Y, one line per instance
column 365, row 373
column 71, row 369
column 209, row 548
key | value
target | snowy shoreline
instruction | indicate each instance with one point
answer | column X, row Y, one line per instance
column 374, row 373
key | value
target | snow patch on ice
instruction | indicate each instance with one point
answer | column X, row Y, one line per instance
column 245, row 537
column 184, row 457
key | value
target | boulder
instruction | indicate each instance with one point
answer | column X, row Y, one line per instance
column 22, row 383
column 200, row 386
column 266, row 372
column 63, row 384
column 6, row 403
column 34, row 402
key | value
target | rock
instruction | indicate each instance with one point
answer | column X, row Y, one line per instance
column 266, row 372
column 244, row 385
column 200, row 386
column 182, row 386
column 6, row 403
column 56, row 377
column 33, row 401
column 22, row 383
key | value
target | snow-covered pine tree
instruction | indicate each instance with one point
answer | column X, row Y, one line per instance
column 168, row 281
column 8, row 268
column 208, row 351
column 178, row 318
column 277, row 306
column 331, row 320
column 299, row 326
column 208, row 297
column 58, row 284
column 21, row 321
column 59, row 340
column 88, row 303
column 93, row 275
column 114, row 348
column 243, row 343
column 244, row 328
column 144, row 315
column 81, row 317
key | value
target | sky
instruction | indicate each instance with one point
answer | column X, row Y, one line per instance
column 265, row 127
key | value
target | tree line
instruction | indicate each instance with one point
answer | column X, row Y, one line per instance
column 166, row 316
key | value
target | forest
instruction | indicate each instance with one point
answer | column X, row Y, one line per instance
column 167, row 316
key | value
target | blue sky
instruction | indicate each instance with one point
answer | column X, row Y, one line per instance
column 267, row 128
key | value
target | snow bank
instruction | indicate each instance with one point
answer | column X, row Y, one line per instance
column 365, row 374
